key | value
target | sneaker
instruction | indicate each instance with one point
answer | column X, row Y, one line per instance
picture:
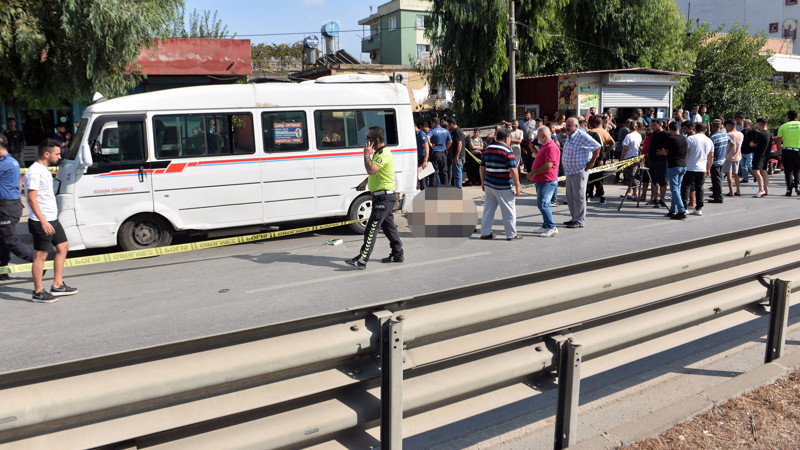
column 715, row 200
column 63, row 290
column 393, row 259
column 575, row 225
column 550, row 232
column 4, row 277
column 569, row 222
column 788, row 192
column 670, row 214
column 553, row 203
column 516, row 237
column 602, row 200
column 697, row 212
column 540, row 230
column 43, row 297
column 356, row 262
column 679, row 216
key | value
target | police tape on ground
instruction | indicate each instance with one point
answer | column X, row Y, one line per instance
column 179, row 248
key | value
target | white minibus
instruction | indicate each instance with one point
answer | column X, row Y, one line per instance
column 239, row 156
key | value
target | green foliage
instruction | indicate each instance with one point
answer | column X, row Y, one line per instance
column 732, row 75
column 276, row 56
column 555, row 36
column 53, row 52
column 472, row 36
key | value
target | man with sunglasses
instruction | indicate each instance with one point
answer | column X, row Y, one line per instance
column 379, row 163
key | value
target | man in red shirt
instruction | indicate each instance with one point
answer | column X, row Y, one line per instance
column 544, row 174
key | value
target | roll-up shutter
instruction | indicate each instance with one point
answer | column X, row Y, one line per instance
column 635, row 96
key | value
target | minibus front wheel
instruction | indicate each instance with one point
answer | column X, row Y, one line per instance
column 360, row 210
column 144, row 231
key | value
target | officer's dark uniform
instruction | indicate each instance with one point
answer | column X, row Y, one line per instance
column 382, row 186
column 10, row 212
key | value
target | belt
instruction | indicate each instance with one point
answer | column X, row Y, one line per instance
column 382, row 192
column 791, row 148
column 9, row 202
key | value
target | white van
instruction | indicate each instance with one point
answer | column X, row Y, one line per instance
column 218, row 157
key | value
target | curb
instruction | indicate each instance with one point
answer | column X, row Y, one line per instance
column 681, row 411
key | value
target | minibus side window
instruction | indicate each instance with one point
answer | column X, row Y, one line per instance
column 122, row 144
column 284, row 131
column 348, row 129
column 196, row 135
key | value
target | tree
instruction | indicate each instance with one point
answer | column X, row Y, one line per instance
column 52, row 52
column 472, row 38
column 202, row 24
column 555, row 36
column 733, row 75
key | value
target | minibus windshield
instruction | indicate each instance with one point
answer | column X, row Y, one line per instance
column 75, row 144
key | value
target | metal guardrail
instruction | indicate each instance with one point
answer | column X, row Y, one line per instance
column 308, row 381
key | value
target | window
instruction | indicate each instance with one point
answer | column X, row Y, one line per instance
column 791, row 2
column 192, row 135
column 773, row 27
column 422, row 49
column 392, row 23
column 125, row 143
column 348, row 129
column 420, row 21
column 284, row 131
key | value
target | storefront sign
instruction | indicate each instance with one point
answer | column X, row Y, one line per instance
column 643, row 78
column 568, row 93
column 589, row 94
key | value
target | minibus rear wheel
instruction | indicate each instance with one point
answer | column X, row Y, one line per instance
column 144, row 231
column 360, row 210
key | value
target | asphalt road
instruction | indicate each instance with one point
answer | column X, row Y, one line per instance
column 141, row 303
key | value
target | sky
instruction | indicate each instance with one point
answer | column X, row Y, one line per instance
column 288, row 21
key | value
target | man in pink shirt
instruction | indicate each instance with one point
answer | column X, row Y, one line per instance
column 732, row 158
column 544, row 174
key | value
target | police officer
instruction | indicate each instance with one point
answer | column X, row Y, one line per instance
column 10, row 209
column 380, row 166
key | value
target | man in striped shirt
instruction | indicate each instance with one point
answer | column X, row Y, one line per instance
column 498, row 175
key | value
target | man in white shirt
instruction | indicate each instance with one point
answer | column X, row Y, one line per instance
column 516, row 140
column 699, row 157
column 43, row 224
column 630, row 149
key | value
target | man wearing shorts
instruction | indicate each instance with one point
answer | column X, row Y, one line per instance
column 43, row 224
column 732, row 158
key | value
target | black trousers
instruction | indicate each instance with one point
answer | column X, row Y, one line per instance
column 439, row 160
column 381, row 217
column 693, row 180
column 595, row 184
column 9, row 241
column 716, row 183
column 791, row 167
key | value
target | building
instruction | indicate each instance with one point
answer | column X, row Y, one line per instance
column 622, row 90
column 396, row 32
column 776, row 18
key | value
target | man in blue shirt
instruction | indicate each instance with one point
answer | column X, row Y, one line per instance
column 721, row 142
column 440, row 141
column 423, row 151
column 10, row 209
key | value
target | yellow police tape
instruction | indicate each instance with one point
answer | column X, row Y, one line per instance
column 179, row 248
column 51, row 169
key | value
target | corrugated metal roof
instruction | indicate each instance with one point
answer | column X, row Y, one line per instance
column 785, row 63
column 592, row 72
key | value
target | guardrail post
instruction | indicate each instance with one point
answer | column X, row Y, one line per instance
column 779, row 291
column 569, row 383
column 391, row 335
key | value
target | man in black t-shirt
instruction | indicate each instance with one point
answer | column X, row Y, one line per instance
column 657, row 163
column 674, row 150
column 16, row 141
column 456, row 153
column 761, row 144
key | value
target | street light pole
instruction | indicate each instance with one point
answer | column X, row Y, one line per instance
column 512, row 64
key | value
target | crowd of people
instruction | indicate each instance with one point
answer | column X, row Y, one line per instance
column 675, row 155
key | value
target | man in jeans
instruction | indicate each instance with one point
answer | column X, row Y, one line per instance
column 675, row 149
column 699, row 158
column 457, row 153
column 498, row 175
column 544, row 174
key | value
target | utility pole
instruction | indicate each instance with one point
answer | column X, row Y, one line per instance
column 512, row 63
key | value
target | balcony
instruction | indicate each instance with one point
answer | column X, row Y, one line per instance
column 371, row 43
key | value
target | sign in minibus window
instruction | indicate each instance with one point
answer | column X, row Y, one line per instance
column 284, row 131
column 348, row 129
column 194, row 135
